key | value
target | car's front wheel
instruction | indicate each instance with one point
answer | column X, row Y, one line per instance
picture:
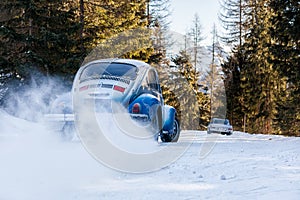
column 68, row 131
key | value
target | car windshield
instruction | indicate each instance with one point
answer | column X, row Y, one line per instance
column 221, row 121
column 98, row 70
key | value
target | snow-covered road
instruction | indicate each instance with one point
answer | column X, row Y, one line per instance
column 37, row 164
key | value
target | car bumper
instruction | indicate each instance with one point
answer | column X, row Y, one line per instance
column 59, row 117
column 220, row 130
column 139, row 117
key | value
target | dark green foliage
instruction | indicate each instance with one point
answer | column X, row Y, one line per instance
column 286, row 50
column 262, row 76
column 135, row 43
column 232, row 75
column 54, row 37
column 38, row 35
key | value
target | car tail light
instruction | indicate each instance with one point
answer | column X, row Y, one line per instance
column 136, row 108
column 84, row 88
column 119, row 88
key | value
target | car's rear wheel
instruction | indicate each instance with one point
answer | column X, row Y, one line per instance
column 174, row 136
column 176, row 131
column 165, row 137
column 68, row 131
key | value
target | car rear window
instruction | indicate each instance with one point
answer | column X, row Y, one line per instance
column 221, row 121
column 97, row 70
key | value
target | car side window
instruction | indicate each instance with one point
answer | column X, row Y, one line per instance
column 153, row 80
column 226, row 122
column 150, row 84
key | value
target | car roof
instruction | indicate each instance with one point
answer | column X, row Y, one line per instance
column 219, row 118
column 213, row 120
column 137, row 63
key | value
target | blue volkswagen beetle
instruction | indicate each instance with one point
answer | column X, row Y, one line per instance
column 134, row 85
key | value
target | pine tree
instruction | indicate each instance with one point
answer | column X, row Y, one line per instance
column 38, row 36
column 235, row 27
column 196, row 104
column 196, row 35
column 108, row 25
column 232, row 82
column 262, row 74
column 54, row 37
column 233, row 21
column 158, row 20
column 214, row 79
column 259, row 76
column 285, row 51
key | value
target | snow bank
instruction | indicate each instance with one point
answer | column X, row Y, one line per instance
column 37, row 164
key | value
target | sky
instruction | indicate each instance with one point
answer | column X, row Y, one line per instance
column 183, row 12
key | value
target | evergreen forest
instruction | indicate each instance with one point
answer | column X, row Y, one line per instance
column 261, row 73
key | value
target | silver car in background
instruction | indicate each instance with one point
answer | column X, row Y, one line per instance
column 219, row 125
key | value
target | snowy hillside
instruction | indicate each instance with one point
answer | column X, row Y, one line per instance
column 37, row 164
